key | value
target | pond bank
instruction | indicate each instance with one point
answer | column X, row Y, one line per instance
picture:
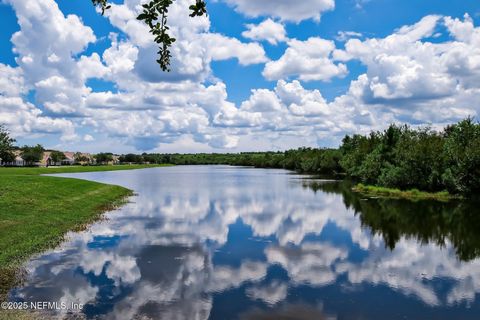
column 414, row 194
column 37, row 211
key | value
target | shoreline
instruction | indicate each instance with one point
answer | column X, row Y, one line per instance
column 413, row 194
column 38, row 210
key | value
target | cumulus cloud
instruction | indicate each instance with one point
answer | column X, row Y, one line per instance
column 57, row 71
column 414, row 80
column 269, row 30
column 223, row 48
column 308, row 60
column 271, row 294
column 22, row 117
column 286, row 10
column 88, row 138
column 408, row 78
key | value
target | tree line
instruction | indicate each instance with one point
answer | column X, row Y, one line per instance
column 406, row 158
column 399, row 157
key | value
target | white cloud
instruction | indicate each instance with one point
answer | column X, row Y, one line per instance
column 262, row 100
column 269, row 30
column 408, row 78
column 343, row 36
column 286, row 10
column 11, row 81
column 271, row 294
column 308, row 60
column 411, row 79
column 223, row 48
column 25, row 120
column 88, row 138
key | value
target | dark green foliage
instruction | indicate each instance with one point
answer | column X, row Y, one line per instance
column 57, row 156
column 31, row 155
column 102, row 4
column 155, row 15
column 406, row 158
column 198, row 9
column 462, row 156
column 304, row 160
column 6, row 146
column 131, row 158
column 103, row 157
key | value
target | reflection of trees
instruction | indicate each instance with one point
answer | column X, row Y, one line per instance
column 289, row 311
column 426, row 221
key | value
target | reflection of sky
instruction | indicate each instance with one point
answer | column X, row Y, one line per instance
column 219, row 242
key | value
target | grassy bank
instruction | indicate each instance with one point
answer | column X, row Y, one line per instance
column 70, row 169
column 37, row 211
column 414, row 194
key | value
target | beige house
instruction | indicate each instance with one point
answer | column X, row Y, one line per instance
column 83, row 158
column 19, row 162
column 48, row 161
column 115, row 160
column 71, row 158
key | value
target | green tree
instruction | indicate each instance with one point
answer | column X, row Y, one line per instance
column 31, row 155
column 462, row 152
column 57, row 156
column 155, row 15
column 6, row 146
column 103, row 157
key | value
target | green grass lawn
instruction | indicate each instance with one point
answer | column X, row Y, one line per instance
column 36, row 211
column 69, row 169
column 414, row 194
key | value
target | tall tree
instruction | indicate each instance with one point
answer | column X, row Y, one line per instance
column 57, row 156
column 155, row 15
column 6, row 146
column 103, row 157
column 31, row 155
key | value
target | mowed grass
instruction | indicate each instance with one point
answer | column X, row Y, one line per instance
column 414, row 194
column 70, row 169
column 36, row 211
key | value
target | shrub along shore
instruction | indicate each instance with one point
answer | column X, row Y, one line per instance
column 37, row 211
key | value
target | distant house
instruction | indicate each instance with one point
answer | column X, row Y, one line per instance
column 69, row 158
column 83, row 158
column 115, row 159
column 46, row 160
column 19, row 162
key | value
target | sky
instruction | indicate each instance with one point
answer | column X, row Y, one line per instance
column 252, row 75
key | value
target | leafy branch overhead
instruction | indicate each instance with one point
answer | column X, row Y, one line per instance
column 155, row 15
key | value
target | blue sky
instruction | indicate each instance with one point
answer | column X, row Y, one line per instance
column 251, row 76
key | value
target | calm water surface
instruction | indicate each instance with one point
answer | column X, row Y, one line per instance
column 218, row 242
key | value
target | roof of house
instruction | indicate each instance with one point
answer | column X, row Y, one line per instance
column 46, row 155
column 69, row 155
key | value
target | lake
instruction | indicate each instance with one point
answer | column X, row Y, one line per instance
column 220, row 242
